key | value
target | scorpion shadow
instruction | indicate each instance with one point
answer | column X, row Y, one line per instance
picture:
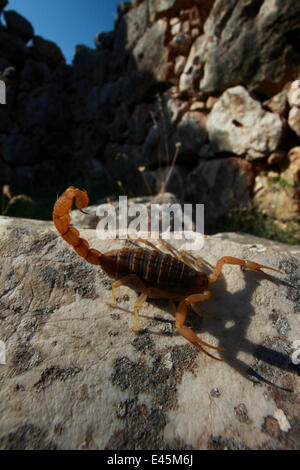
column 234, row 313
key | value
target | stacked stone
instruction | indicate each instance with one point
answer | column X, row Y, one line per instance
column 219, row 77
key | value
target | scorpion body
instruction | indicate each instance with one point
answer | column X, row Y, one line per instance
column 175, row 276
column 156, row 268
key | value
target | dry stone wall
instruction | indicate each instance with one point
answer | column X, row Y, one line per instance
column 220, row 77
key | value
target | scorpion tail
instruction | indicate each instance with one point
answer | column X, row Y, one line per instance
column 61, row 219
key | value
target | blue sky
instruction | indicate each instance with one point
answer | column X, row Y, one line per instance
column 68, row 22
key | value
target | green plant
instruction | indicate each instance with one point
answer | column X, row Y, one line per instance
column 251, row 220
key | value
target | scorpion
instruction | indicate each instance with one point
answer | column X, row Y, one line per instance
column 176, row 276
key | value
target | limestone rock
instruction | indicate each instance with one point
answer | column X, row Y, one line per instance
column 193, row 70
column 91, row 65
column 294, row 120
column 274, row 198
column 104, row 40
column 18, row 25
column 137, row 21
column 237, row 123
column 77, row 376
column 278, row 103
column 19, row 149
column 12, row 48
column 278, row 196
column 276, row 157
column 239, row 48
column 95, row 213
column 179, row 64
column 191, row 133
column 34, row 75
column 181, row 43
column 147, row 58
column 153, row 181
column 293, row 93
column 220, row 184
column 47, row 51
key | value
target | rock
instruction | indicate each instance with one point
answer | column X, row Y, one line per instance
column 173, row 180
column 171, row 109
column 294, row 120
column 152, row 60
column 104, row 40
column 139, row 123
column 92, row 216
column 118, row 129
column 210, row 102
column 237, row 123
column 124, row 7
column 91, row 65
column 4, row 63
column 46, row 105
column 3, row 4
column 110, row 93
column 158, row 148
column 175, row 27
column 137, row 22
column 274, row 197
column 122, row 161
column 198, row 106
column 278, row 195
column 276, row 157
column 191, row 133
column 278, row 103
column 34, row 74
column 181, row 43
column 293, row 170
column 154, row 146
column 239, row 49
column 20, row 149
column 18, row 25
column 161, row 7
column 43, row 50
column 12, row 48
column 193, row 70
column 293, row 93
column 220, row 184
column 255, row 243
column 132, row 391
column 179, row 65
column 149, row 72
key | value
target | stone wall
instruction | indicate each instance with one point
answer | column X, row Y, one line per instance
column 215, row 76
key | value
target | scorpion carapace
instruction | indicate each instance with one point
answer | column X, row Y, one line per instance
column 176, row 275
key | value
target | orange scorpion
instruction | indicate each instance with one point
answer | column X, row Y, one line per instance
column 175, row 276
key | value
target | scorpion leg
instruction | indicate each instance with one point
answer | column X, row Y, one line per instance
column 245, row 263
column 141, row 299
column 184, row 256
column 188, row 333
column 197, row 261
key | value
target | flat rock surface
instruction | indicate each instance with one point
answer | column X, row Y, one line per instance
column 77, row 376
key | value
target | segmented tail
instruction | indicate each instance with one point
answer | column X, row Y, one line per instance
column 61, row 219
